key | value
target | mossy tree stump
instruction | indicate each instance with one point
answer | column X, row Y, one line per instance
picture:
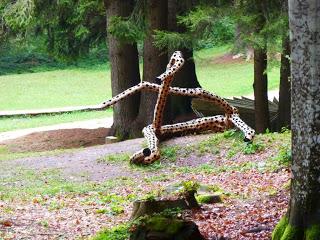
column 155, row 225
column 149, row 207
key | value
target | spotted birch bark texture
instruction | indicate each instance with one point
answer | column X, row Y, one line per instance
column 303, row 217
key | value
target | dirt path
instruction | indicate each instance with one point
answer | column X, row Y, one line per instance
column 83, row 163
column 88, row 124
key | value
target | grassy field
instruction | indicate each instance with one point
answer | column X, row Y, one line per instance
column 86, row 86
column 231, row 79
column 58, row 88
column 14, row 123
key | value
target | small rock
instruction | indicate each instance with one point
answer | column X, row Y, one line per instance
column 111, row 139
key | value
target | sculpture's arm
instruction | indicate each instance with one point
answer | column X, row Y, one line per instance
column 248, row 131
column 190, row 92
column 129, row 92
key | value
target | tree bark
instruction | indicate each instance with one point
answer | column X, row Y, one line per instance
column 303, row 217
column 260, row 86
column 154, row 61
column 180, row 107
column 124, row 72
column 284, row 111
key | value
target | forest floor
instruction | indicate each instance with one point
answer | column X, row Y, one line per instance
column 50, row 192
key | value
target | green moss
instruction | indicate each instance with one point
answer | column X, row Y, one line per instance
column 174, row 227
column 313, row 232
column 285, row 231
column 118, row 233
column 163, row 224
column 280, row 228
column 292, row 233
column 158, row 224
column 203, row 199
column 190, row 186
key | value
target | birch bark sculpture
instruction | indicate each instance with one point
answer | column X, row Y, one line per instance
column 156, row 131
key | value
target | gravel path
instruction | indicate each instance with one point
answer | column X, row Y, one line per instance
column 83, row 163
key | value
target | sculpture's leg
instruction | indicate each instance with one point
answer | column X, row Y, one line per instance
column 151, row 153
column 248, row 131
column 217, row 123
column 174, row 65
column 205, row 95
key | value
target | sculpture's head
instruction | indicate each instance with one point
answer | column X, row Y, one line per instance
column 174, row 65
column 249, row 135
column 247, row 131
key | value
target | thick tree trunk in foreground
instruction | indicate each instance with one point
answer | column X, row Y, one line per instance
column 284, row 111
column 186, row 77
column 260, row 87
column 303, row 217
column 124, row 72
column 154, row 61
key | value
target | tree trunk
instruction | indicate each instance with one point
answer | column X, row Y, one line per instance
column 154, row 61
column 260, row 86
column 284, row 111
column 303, row 217
column 180, row 107
column 124, row 72
column 51, row 38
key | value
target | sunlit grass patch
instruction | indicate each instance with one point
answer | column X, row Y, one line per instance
column 115, row 158
column 25, row 184
column 14, row 123
column 6, row 154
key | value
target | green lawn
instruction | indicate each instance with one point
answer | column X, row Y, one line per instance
column 9, row 124
column 233, row 79
column 58, row 88
column 86, row 86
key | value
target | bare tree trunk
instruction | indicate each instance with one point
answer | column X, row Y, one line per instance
column 284, row 111
column 303, row 217
column 186, row 77
column 124, row 72
column 154, row 61
column 260, row 86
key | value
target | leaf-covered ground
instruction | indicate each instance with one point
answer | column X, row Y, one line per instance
column 74, row 194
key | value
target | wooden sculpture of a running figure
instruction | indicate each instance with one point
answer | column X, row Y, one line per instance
column 156, row 130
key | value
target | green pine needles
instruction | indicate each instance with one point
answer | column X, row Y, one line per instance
column 125, row 30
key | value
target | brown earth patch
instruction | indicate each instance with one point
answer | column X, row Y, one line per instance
column 57, row 139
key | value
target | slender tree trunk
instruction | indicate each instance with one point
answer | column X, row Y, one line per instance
column 260, row 86
column 154, row 61
column 51, row 42
column 124, row 72
column 186, row 77
column 284, row 111
column 303, row 217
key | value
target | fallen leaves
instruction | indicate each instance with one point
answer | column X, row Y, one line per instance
column 6, row 223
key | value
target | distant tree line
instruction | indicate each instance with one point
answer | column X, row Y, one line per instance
column 70, row 28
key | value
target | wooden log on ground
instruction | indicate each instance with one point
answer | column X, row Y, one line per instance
column 244, row 105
